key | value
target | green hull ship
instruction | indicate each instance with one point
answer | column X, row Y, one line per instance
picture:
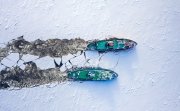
column 112, row 44
column 91, row 74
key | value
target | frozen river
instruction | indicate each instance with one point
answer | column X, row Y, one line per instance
column 149, row 75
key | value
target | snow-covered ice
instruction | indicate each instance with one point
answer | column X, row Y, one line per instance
column 149, row 78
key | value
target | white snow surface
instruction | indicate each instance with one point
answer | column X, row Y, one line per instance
column 149, row 75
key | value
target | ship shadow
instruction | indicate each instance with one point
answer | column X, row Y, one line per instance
column 122, row 62
column 108, row 91
column 104, row 91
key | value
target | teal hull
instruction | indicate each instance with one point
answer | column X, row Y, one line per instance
column 91, row 74
column 112, row 44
